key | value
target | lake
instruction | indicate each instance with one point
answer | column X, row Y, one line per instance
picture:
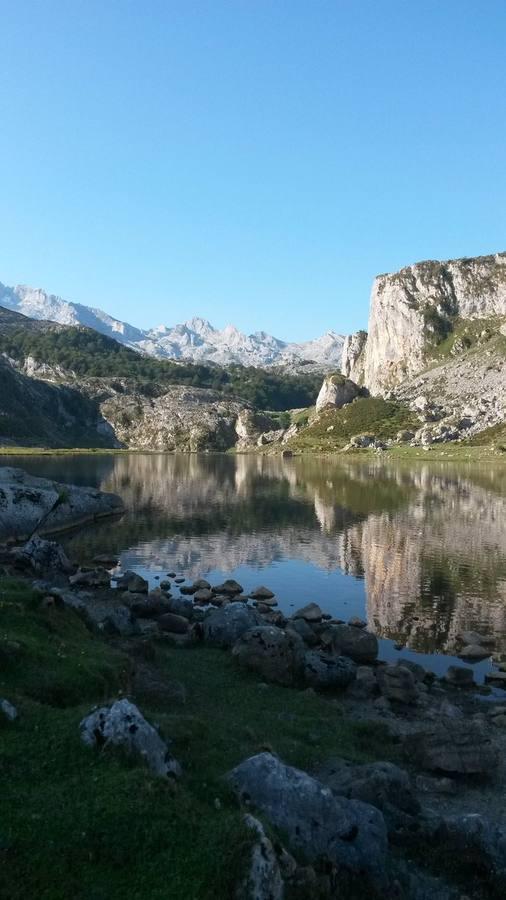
column 417, row 549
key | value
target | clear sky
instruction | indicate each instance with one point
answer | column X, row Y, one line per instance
column 249, row 161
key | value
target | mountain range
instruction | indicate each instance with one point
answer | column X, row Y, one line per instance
column 195, row 340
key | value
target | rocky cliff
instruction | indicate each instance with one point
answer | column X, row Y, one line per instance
column 417, row 309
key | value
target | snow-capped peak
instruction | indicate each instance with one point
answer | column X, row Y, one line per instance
column 194, row 340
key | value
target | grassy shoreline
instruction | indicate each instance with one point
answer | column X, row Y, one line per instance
column 97, row 825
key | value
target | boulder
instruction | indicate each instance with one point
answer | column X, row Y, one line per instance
column 336, row 391
column 131, row 581
column 304, row 630
column 453, row 745
column 174, row 624
column 225, row 625
column 473, row 652
column 123, row 725
column 397, row 683
column 310, row 613
column 263, row 880
column 383, row 784
column 324, row 671
column 349, row 833
column 346, row 640
column 31, row 504
column 230, row 587
column 201, row 584
column 261, row 593
column 275, row 654
column 203, row 595
column 151, row 607
column 181, row 607
column 43, row 557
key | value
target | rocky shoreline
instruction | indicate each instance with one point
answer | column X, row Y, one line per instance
column 445, row 796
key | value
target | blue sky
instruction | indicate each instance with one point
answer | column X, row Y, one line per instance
column 250, row 161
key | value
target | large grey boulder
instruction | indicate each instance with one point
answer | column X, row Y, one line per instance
column 275, row 654
column 336, row 391
column 382, row 784
column 453, row 745
column 315, row 821
column 28, row 503
column 346, row 640
column 322, row 670
column 43, row 557
column 225, row 625
column 123, row 725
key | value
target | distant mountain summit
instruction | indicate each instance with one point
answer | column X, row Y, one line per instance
column 195, row 340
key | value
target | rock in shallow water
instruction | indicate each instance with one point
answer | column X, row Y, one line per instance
column 346, row 640
column 348, row 832
column 123, row 725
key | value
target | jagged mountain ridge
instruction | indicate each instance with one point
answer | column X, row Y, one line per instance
column 195, row 340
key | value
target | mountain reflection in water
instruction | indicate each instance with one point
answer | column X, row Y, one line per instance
column 418, row 549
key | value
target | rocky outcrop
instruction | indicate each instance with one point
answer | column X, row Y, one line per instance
column 28, row 503
column 336, row 391
column 353, row 360
column 316, row 822
column 415, row 308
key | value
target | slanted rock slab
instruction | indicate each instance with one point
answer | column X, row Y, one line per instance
column 318, row 823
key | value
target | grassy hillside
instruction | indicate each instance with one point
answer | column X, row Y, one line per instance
column 88, row 825
column 333, row 429
column 93, row 355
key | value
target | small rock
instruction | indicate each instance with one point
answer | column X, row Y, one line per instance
column 203, row 595
column 429, row 785
column 397, row 683
column 496, row 678
column 304, row 630
column 9, row 711
column 473, row 651
column 356, row 622
column 201, row 585
column 310, row 613
column 230, row 587
column 261, row 593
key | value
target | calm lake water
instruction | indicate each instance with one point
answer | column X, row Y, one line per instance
column 419, row 550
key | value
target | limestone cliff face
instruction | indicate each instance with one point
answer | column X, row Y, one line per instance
column 352, row 365
column 414, row 308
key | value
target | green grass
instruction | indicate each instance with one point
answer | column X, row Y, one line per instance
column 471, row 334
column 97, row 826
column 372, row 415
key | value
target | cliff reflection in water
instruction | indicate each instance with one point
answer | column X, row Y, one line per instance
column 421, row 548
